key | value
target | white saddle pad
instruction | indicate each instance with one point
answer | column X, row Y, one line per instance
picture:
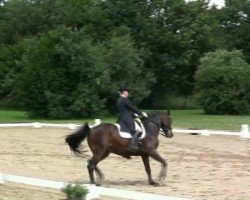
column 128, row 135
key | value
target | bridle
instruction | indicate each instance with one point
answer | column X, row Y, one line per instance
column 163, row 131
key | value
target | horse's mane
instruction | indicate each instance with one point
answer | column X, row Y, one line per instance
column 157, row 111
column 153, row 113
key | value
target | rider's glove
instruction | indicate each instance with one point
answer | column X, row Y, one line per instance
column 144, row 114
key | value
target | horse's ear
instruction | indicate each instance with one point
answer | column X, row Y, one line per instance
column 168, row 112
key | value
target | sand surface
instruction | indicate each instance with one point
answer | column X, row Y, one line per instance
column 200, row 167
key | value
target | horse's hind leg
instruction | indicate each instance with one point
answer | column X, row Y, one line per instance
column 91, row 166
column 99, row 173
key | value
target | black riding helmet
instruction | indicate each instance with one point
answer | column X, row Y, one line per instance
column 123, row 88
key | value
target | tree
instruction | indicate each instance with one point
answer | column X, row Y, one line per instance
column 235, row 24
column 62, row 75
column 185, row 32
column 159, row 42
column 127, row 67
column 8, row 68
column 222, row 83
column 173, row 35
column 22, row 18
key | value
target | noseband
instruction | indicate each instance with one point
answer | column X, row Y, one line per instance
column 166, row 131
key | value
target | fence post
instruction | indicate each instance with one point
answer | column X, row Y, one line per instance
column 72, row 126
column 37, row 125
column 1, row 178
column 245, row 131
column 93, row 192
column 205, row 133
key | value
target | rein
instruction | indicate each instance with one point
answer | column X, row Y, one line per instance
column 162, row 133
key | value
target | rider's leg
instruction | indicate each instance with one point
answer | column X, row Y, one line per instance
column 134, row 141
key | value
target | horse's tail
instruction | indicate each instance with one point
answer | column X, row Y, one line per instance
column 74, row 139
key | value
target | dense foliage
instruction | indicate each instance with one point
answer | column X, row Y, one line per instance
column 65, row 58
column 63, row 74
column 56, row 80
column 223, row 83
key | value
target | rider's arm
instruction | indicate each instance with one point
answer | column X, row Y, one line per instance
column 131, row 107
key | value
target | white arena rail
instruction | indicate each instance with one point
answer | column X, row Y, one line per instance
column 40, row 125
column 244, row 133
column 94, row 191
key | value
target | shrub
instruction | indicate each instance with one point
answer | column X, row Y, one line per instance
column 222, row 83
column 75, row 191
column 62, row 75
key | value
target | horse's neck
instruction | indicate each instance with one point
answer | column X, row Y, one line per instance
column 152, row 128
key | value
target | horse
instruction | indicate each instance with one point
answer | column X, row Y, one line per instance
column 105, row 139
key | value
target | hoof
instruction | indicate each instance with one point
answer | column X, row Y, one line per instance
column 98, row 184
column 154, row 183
column 100, row 180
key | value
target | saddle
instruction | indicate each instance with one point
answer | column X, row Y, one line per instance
column 138, row 127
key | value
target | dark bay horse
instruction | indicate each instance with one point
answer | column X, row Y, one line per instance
column 105, row 139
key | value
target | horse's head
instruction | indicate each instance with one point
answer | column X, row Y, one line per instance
column 163, row 121
column 166, row 124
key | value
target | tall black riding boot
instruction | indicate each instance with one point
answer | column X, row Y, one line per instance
column 134, row 141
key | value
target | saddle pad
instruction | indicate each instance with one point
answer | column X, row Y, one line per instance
column 128, row 135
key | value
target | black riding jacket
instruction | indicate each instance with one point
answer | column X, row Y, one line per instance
column 126, row 110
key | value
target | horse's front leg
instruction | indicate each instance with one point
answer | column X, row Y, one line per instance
column 145, row 159
column 163, row 173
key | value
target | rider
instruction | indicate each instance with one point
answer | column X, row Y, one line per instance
column 127, row 113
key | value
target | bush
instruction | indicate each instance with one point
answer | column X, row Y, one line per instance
column 75, row 191
column 222, row 83
column 62, row 75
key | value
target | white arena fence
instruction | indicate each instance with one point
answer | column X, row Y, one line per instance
column 94, row 191
column 243, row 133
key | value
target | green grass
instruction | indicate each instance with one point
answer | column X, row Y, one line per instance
column 12, row 116
column 21, row 116
column 197, row 119
column 181, row 119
